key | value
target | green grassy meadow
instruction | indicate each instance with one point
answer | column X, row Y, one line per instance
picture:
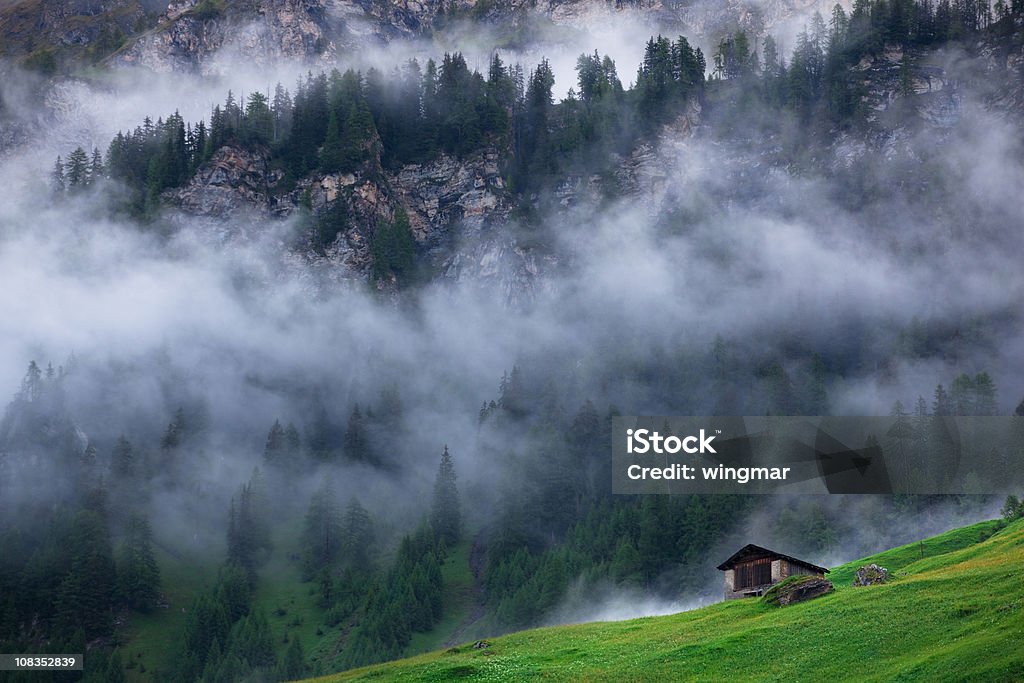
column 952, row 611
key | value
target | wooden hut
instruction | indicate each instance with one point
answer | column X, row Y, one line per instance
column 752, row 570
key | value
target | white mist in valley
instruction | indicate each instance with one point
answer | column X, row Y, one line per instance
column 716, row 240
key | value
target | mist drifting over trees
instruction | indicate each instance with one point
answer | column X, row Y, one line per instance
column 292, row 351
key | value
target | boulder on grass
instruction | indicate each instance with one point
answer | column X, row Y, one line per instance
column 871, row 575
column 797, row 589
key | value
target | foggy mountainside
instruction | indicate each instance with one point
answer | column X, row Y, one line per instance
column 315, row 314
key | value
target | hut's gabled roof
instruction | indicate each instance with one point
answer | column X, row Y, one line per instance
column 751, row 552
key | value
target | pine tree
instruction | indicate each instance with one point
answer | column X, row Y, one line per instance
column 942, row 406
column 322, row 533
column 251, row 643
column 393, row 248
column 88, row 460
column 31, row 384
column 986, row 402
column 293, row 666
column 962, row 395
column 389, row 407
column 921, row 407
column 446, row 516
column 292, row 439
column 358, row 537
column 537, row 159
column 122, row 460
column 258, row 122
column 137, row 572
column 320, row 437
column 512, row 393
column 96, row 167
column 355, row 443
column 85, row 595
column 76, row 170
column 248, row 532
column 114, row 672
column 205, row 626
column 233, row 593
column 333, row 221
column 332, row 157
column 199, row 146
column 357, row 135
column 276, row 446
column 1012, row 508
column 57, row 180
column 281, row 108
column 175, row 432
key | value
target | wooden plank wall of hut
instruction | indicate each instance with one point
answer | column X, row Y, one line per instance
column 753, row 573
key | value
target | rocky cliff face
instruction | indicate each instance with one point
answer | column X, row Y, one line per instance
column 66, row 28
column 456, row 209
column 459, row 209
column 192, row 32
column 233, row 180
column 905, row 94
column 462, row 216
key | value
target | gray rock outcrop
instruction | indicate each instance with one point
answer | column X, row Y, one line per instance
column 201, row 35
column 871, row 575
column 797, row 589
column 233, row 180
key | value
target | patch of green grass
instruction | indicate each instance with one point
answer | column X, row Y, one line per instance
column 955, row 614
column 153, row 637
column 897, row 559
column 458, row 600
column 290, row 605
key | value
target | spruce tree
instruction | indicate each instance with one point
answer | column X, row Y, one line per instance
column 57, row 179
column 355, row 444
column 76, row 169
column 276, row 445
column 986, row 402
column 357, row 135
column 85, row 594
column 175, row 432
column 114, row 672
column 331, row 155
column 251, row 643
column 393, row 248
column 322, row 533
column 942, row 406
column 138, row 576
column 445, row 515
column 962, row 394
column 358, row 537
column 96, row 167
column 292, row 439
column 248, row 534
column 320, row 435
column 122, row 460
column 293, row 666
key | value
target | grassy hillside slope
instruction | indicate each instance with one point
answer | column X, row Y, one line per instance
column 953, row 611
column 150, row 641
